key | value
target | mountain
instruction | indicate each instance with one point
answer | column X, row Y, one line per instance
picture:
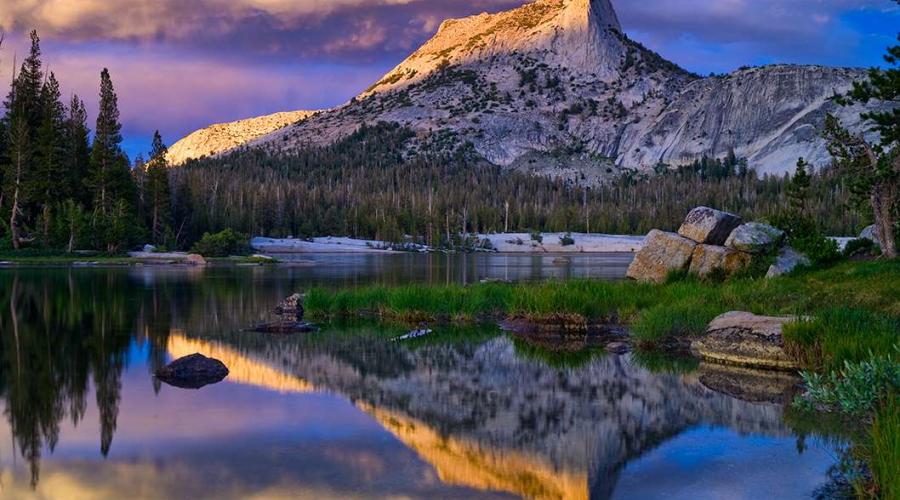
column 556, row 88
column 225, row 137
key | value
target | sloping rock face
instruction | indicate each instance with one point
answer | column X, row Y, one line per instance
column 556, row 88
column 787, row 260
column 709, row 226
column 193, row 372
column 225, row 137
column 756, row 238
column 662, row 253
column 707, row 259
column 745, row 339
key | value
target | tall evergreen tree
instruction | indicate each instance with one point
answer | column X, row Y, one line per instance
column 77, row 154
column 156, row 188
column 798, row 189
column 109, row 178
column 107, row 159
column 46, row 184
column 874, row 168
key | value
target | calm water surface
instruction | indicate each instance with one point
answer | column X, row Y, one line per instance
column 468, row 413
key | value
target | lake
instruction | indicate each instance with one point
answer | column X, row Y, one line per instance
column 468, row 412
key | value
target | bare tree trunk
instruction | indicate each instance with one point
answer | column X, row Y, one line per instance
column 882, row 206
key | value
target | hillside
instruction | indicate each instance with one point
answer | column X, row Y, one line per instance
column 556, row 88
column 224, row 137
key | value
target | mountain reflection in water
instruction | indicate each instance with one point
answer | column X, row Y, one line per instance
column 346, row 413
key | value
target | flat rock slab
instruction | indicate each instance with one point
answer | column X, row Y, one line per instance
column 662, row 253
column 745, row 339
column 756, row 238
column 709, row 226
column 193, row 372
column 709, row 258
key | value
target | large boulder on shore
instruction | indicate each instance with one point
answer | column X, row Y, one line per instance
column 745, row 339
column 193, row 372
column 662, row 253
column 870, row 234
column 787, row 260
column 756, row 238
column 709, row 226
column 709, row 258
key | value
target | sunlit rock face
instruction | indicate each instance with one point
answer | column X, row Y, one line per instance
column 555, row 88
column 225, row 137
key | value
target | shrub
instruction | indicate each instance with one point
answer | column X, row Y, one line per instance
column 537, row 236
column 861, row 246
column 856, row 389
column 818, row 248
column 222, row 244
column 567, row 240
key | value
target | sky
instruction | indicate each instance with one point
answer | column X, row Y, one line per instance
column 179, row 65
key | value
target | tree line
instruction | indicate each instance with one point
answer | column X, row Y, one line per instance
column 62, row 186
column 364, row 186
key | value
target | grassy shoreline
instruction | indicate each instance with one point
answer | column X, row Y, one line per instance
column 851, row 311
column 846, row 302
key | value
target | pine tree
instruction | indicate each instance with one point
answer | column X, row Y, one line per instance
column 798, row 189
column 106, row 152
column 874, row 168
column 77, row 154
column 47, row 186
column 157, row 195
column 109, row 177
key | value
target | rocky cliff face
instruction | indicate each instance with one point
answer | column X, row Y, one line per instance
column 555, row 87
column 225, row 137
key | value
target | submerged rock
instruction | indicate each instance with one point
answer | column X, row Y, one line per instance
column 286, row 327
column 662, row 253
column 745, row 339
column 750, row 384
column 755, row 237
column 193, row 372
column 709, row 258
column 709, row 226
column 788, row 259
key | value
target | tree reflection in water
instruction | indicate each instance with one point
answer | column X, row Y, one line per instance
column 487, row 413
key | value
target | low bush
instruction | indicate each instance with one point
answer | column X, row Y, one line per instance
column 856, row 389
column 222, row 244
column 567, row 240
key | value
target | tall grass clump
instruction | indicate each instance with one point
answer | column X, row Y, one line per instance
column 838, row 335
column 883, row 455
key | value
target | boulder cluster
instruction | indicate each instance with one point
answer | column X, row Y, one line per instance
column 712, row 241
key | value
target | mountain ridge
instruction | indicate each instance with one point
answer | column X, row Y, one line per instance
column 556, row 88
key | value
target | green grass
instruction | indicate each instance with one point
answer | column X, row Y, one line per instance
column 884, row 449
column 838, row 335
column 856, row 306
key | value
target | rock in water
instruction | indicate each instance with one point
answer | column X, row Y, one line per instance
column 708, row 258
column 709, row 226
column 196, row 260
column 662, row 253
column 292, row 305
column 756, row 238
column 193, row 372
column 744, row 339
column 788, row 259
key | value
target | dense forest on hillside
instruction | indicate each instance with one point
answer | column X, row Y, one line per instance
column 363, row 186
